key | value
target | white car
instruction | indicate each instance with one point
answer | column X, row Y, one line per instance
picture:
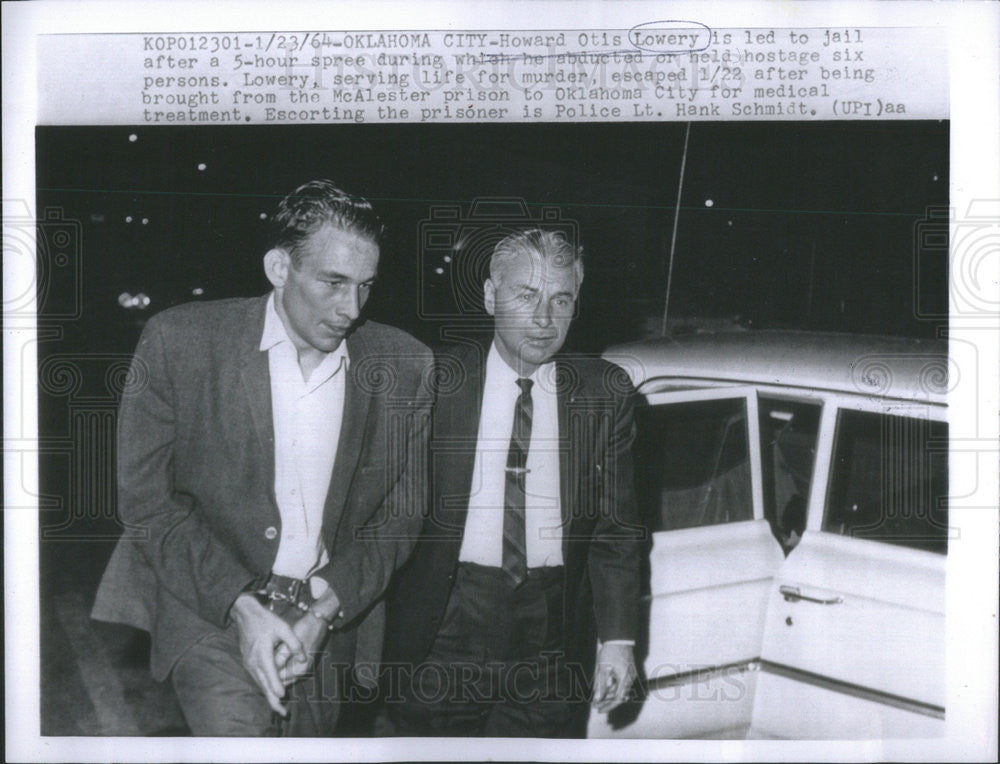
column 795, row 486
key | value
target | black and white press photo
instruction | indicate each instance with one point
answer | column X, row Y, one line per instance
column 500, row 384
column 784, row 334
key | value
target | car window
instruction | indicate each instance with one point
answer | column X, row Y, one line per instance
column 788, row 431
column 889, row 480
column 692, row 464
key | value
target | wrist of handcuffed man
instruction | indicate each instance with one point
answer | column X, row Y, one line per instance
column 286, row 596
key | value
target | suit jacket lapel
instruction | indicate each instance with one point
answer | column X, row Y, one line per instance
column 569, row 450
column 256, row 377
column 456, row 430
column 357, row 402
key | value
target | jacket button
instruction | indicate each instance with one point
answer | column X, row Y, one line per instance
column 271, row 533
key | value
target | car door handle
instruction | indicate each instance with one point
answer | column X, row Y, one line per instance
column 792, row 594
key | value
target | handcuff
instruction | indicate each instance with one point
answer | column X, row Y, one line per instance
column 290, row 590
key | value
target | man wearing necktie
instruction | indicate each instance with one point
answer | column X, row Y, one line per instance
column 527, row 567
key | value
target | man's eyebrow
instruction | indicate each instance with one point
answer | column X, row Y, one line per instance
column 338, row 276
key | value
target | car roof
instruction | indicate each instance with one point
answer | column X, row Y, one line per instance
column 885, row 367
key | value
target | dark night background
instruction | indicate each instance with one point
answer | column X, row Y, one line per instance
column 810, row 225
column 797, row 225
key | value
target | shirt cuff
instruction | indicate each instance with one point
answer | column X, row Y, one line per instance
column 317, row 586
column 629, row 642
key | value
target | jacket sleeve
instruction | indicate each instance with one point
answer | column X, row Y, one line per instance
column 359, row 571
column 615, row 549
column 189, row 560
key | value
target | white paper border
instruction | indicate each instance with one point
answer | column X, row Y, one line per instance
column 972, row 32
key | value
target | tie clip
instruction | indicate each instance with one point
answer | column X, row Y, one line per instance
column 517, row 470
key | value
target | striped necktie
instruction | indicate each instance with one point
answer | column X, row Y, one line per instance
column 515, row 559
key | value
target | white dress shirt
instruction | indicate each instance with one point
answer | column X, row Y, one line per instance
column 483, row 539
column 307, row 415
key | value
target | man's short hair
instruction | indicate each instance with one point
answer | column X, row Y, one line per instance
column 550, row 245
column 315, row 204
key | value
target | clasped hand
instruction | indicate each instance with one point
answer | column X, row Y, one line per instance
column 275, row 653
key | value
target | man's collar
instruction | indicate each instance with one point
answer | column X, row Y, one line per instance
column 274, row 330
column 275, row 333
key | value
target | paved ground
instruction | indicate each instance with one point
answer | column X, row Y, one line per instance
column 94, row 676
column 95, row 679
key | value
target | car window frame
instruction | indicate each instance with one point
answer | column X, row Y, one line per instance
column 749, row 395
column 826, row 442
column 800, row 397
column 665, row 388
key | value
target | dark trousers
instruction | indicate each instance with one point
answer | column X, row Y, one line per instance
column 496, row 666
column 220, row 699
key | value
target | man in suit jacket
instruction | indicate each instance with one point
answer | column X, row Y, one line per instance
column 272, row 452
column 530, row 554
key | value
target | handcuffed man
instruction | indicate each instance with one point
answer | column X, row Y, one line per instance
column 271, row 451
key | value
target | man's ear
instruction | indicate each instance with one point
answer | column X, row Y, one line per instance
column 489, row 296
column 276, row 265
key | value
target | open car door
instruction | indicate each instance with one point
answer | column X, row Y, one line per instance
column 712, row 562
column 855, row 639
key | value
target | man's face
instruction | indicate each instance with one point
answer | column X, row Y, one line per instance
column 532, row 305
column 322, row 297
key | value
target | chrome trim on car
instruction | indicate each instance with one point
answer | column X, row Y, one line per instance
column 854, row 690
column 798, row 675
column 701, row 674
